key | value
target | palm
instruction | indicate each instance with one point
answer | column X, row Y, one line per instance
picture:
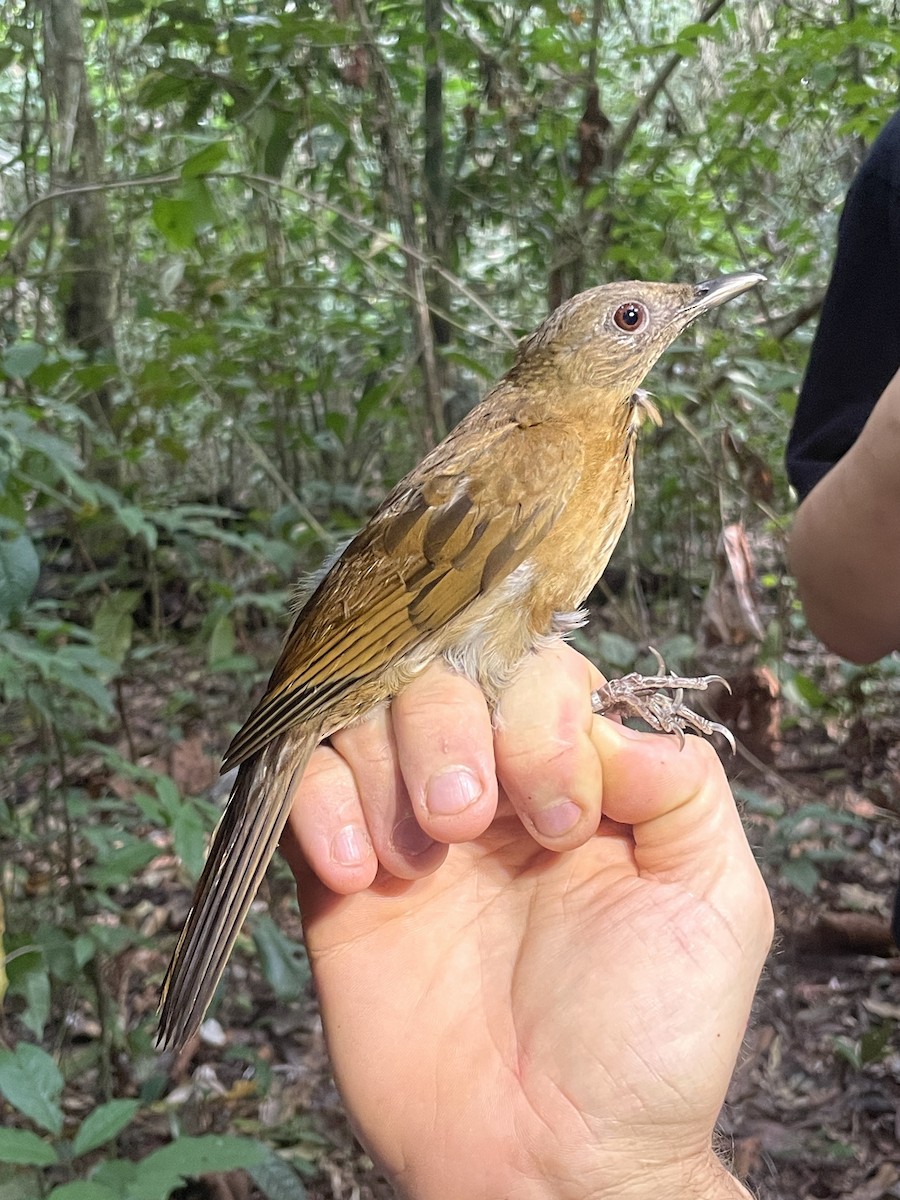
column 553, row 998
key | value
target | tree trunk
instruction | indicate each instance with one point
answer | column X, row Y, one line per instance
column 397, row 157
column 87, row 292
column 437, row 219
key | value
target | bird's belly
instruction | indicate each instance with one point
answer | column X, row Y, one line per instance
column 488, row 641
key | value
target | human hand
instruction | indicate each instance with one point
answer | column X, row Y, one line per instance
column 530, row 1024
column 382, row 793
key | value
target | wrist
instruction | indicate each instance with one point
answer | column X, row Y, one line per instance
column 703, row 1178
column 706, row 1178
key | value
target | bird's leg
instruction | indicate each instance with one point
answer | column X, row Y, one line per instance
column 645, row 696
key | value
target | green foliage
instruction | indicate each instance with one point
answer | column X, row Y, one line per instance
column 873, row 1046
column 31, row 1082
column 281, row 960
column 804, row 839
column 32, row 1085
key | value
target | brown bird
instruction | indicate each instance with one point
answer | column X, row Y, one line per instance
column 481, row 553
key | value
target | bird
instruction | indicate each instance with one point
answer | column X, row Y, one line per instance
column 480, row 555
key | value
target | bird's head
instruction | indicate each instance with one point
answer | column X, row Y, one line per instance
column 610, row 336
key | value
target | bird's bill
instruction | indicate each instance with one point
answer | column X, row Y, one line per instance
column 714, row 292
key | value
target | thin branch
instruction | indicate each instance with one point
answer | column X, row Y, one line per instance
column 598, row 12
column 631, row 126
column 61, row 195
column 782, row 327
column 281, row 484
column 396, row 156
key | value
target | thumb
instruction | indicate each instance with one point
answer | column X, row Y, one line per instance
column 685, row 822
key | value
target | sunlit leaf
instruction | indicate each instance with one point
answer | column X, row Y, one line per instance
column 209, row 159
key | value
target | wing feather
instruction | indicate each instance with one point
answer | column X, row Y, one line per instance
column 449, row 533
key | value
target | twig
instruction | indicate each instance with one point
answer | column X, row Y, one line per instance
column 782, row 327
column 631, row 126
column 395, row 154
column 268, row 181
column 265, row 462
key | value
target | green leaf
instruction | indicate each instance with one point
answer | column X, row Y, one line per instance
column 113, row 625
column 277, row 1180
column 117, row 1174
column 210, row 158
column 699, row 30
column 848, row 1050
column 615, row 651
column 676, row 651
column 174, row 218
column 26, row 1149
column 168, row 793
column 31, row 1082
column 84, row 1190
column 120, row 866
column 36, row 989
column 19, row 571
column 221, row 642
column 804, row 692
column 757, row 802
column 162, row 1171
column 283, row 961
column 875, row 1043
column 65, row 956
column 189, row 838
column 134, row 521
column 22, row 358
column 103, row 1124
column 802, row 874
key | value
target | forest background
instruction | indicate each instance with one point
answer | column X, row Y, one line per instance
column 255, row 260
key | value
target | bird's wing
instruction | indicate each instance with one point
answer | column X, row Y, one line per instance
column 450, row 532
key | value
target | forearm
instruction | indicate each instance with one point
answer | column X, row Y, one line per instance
column 845, row 543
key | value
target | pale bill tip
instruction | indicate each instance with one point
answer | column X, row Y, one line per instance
column 713, row 292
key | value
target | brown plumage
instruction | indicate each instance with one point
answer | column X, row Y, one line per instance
column 484, row 550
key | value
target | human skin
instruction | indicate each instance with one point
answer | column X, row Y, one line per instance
column 845, row 542
column 521, row 1023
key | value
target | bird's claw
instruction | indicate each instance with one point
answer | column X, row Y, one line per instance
column 645, row 696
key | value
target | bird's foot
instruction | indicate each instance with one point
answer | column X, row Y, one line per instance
column 645, row 696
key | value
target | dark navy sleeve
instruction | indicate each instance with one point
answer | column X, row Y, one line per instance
column 856, row 350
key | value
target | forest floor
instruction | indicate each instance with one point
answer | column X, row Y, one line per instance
column 814, row 1109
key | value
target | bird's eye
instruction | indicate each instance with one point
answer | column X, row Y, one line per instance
column 632, row 317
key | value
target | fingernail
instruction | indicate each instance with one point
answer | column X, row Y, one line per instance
column 451, row 791
column 409, row 837
column 553, row 822
column 350, row 846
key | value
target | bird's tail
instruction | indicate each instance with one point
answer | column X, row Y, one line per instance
column 241, row 849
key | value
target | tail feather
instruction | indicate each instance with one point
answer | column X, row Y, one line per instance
column 242, row 847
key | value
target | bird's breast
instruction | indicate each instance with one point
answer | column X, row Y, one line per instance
column 574, row 555
column 540, row 597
